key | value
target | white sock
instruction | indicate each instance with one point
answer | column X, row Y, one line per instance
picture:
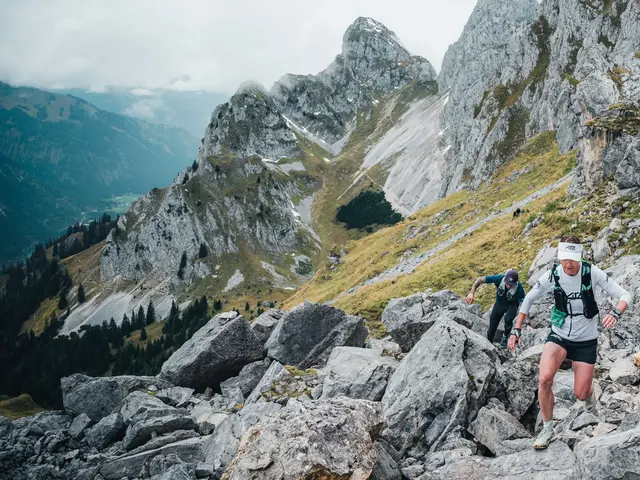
column 548, row 424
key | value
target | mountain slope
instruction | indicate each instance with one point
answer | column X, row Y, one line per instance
column 564, row 64
column 63, row 156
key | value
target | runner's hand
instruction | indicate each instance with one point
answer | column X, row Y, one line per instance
column 512, row 342
column 469, row 298
column 609, row 321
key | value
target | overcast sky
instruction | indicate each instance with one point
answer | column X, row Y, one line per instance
column 196, row 44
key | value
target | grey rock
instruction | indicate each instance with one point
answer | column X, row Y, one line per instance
column 215, row 352
column 543, row 262
column 440, row 384
column 176, row 472
column 175, row 396
column 189, row 451
column 357, row 373
column 306, row 335
column 79, row 425
column 584, row 420
column 147, row 416
column 344, row 428
column 266, row 323
column 413, row 471
column 102, row 396
column 625, row 371
column 144, row 428
column 386, row 346
column 616, row 455
column 601, row 248
column 223, row 444
column 6, row 426
column 248, row 377
column 106, row 431
column 207, row 417
column 557, row 461
column 407, row 319
column 494, row 428
column 386, row 467
column 204, row 470
column 139, row 404
column 516, row 383
column 162, row 440
column 275, row 373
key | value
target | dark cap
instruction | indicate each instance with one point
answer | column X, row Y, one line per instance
column 511, row 277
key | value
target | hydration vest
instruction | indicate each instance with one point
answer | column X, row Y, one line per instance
column 509, row 294
column 589, row 305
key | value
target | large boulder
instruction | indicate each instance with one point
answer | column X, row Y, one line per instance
column 108, row 430
column 626, row 272
column 324, row 439
column 101, row 396
column 600, row 247
column 357, row 373
column 556, row 462
column 612, row 456
column 440, row 384
column 147, row 416
column 216, row 352
column 307, row 334
column 175, row 396
column 407, row 319
column 223, row 444
column 266, row 323
column 386, row 467
column 247, row 379
column 496, row 429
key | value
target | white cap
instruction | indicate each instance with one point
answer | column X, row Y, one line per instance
column 570, row 251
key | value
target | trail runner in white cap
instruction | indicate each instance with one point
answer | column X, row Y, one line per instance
column 574, row 327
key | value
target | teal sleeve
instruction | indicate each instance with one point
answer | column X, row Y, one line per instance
column 520, row 296
column 495, row 279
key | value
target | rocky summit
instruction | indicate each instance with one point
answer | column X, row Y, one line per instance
column 451, row 406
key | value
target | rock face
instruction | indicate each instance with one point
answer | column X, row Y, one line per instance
column 325, row 439
column 306, row 335
column 440, row 384
column 217, row 351
column 372, row 62
column 357, row 373
column 521, row 68
column 407, row 319
column 99, row 397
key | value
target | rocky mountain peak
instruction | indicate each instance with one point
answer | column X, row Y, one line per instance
column 250, row 123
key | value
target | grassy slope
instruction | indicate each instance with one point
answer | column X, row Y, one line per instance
column 19, row 407
column 493, row 248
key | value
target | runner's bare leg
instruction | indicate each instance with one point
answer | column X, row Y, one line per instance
column 552, row 357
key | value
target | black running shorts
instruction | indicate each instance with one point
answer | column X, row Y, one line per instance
column 586, row 352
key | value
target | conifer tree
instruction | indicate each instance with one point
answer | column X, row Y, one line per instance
column 151, row 313
column 62, row 301
column 81, row 297
column 143, row 334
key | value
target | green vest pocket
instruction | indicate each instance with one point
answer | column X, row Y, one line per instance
column 557, row 317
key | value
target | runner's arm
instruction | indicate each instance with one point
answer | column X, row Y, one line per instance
column 542, row 286
column 612, row 288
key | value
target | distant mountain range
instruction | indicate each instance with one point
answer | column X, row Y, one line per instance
column 61, row 156
column 187, row 110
